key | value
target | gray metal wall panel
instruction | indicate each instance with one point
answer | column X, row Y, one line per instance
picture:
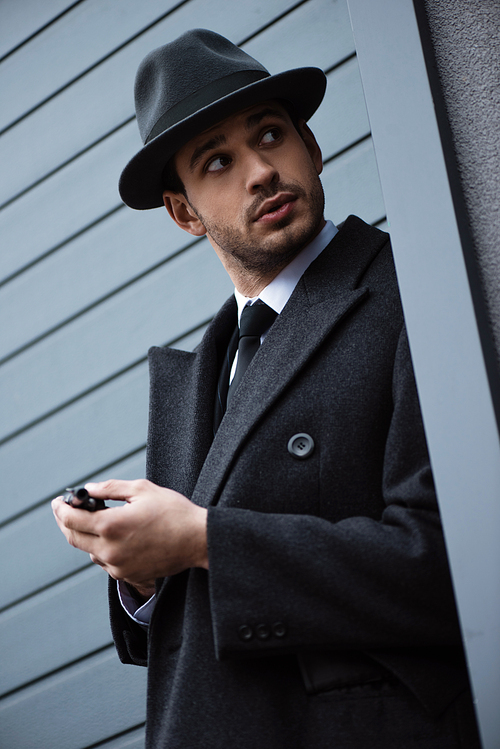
column 77, row 41
column 113, row 335
column 352, row 185
column 19, row 21
column 133, row 740
column 70, row 619
column 315, row 33
column 64, row 203
column 94, row 432
column 341, row 120
column 93, row 265
column 74, row 708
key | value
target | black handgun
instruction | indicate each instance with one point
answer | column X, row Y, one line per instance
column 81, row 498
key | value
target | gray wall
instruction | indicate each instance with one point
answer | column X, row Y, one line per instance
column 86, row 286
column 466, row 41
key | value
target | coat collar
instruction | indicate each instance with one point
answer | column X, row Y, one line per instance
column 327, row 292
column 182, row 391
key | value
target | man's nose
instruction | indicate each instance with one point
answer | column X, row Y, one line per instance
column 261, row 173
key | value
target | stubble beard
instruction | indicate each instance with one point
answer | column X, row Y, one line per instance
column 251, row 255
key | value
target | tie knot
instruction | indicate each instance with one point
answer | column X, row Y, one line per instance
column 256, row 319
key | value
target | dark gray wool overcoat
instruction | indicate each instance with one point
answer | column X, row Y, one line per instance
column 327, row 618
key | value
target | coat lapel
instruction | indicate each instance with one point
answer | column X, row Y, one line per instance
column 329, row 290
column 182, row 395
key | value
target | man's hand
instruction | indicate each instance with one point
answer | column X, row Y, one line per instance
column 157, row 533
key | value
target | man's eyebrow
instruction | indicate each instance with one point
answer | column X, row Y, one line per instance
column 255, row 118
column 220, row 140
column 208, row 145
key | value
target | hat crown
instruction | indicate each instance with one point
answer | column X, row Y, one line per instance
column 174, row 73
column 190, row 85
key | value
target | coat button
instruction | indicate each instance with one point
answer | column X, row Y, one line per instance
column 245, row 632
column 263, row 631
column 301, row 445
column 279, row 629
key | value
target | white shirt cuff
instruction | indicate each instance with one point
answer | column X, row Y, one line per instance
column 140, row 614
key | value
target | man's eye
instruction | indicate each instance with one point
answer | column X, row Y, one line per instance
column 218, row 163
column 271, row 135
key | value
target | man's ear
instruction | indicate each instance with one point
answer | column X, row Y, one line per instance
column 311, row 145
column 181, row 212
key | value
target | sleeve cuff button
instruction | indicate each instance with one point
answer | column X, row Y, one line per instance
column 279, row 629
column 245, row 632
column 263, row 631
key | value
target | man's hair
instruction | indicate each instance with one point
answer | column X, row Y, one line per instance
column 171, row 181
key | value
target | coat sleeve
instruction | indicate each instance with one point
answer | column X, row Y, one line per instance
column 283, row 582
column 129, row 637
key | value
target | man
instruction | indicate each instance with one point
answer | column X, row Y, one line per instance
column 302, row 594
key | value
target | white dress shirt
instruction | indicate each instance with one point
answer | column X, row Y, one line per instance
column 275, row 295
column 278, row 292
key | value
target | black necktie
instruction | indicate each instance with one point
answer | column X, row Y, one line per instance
column 255, row 320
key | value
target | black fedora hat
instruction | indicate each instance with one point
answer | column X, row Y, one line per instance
column 189, row 85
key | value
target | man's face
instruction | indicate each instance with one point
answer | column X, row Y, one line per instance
column 252, row 186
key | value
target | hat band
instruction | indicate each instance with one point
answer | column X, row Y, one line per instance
column 209, row 94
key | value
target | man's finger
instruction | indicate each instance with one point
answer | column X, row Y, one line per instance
column 73, row 519
column 83, row 540
column 117, row 489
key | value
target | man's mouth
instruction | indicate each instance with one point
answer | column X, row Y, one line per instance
column 275, row 208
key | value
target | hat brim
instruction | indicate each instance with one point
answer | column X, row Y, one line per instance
column 140, row 183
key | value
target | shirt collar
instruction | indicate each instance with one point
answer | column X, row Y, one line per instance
column 278, row 292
